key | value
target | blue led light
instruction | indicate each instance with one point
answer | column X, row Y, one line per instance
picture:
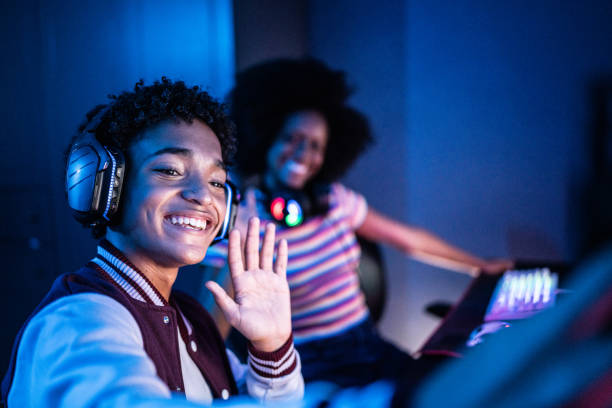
column 111, row 185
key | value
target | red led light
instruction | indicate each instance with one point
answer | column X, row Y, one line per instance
column 276, row 208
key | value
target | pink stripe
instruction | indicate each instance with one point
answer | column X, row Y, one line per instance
column 332, row 314
column 300, row 236
column 321, row 244
column 303, row 232
column 332, row 328
column 320, row 287
column 349, row 257
column 350, row 291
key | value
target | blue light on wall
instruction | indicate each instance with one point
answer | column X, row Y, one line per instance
column 63, row 57
column 89, row 50
column 192, row 40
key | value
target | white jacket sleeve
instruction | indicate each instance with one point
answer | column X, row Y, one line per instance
column 87, row 350
column 274, row 376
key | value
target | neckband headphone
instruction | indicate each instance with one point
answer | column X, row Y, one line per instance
column 95, row 175
column 291, row 208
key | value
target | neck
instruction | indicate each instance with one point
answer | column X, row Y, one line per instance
column 160, row 275
column 272, row 183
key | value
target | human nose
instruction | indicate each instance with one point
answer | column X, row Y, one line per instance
column 197, row 191
column 301, row 151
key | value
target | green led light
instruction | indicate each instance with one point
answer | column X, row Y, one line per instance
column 293, row 219
column 294, row 216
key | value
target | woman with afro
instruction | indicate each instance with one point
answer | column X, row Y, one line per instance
column 297, row 136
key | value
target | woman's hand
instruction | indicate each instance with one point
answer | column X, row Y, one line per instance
column 261, row 308
column 496, row 266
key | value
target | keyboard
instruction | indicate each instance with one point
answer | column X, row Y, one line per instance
column 522, row 293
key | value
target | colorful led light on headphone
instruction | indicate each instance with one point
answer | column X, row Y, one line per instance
column 294, row 216
column 277, row 207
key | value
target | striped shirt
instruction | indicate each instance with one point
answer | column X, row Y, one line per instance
column 322, row 267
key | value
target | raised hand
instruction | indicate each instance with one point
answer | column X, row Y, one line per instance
column 261, row 308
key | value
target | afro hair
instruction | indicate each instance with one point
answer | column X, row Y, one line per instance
column 267, row 93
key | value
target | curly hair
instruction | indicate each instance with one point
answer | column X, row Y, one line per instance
column 124, row 119
column 267, row 93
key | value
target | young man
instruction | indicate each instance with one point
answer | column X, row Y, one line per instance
column 147, row 173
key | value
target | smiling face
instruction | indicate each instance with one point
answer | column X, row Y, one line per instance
column 174, row 202
column 299, row 150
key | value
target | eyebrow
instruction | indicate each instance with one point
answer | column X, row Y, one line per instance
column 182, row 152
column 171, row 150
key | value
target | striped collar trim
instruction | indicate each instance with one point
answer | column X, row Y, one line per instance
column 126, row 275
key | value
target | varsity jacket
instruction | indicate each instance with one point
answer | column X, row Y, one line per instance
column 108, row 314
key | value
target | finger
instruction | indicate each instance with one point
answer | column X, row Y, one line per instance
column 234, row 255
column 225, row 303
column 281, row 259
column 267, row 248
column 251, row 249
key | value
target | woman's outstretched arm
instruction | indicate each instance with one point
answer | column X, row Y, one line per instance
column 425, row 246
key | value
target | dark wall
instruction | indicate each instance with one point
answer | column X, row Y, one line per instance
column 369, row 43
column 482, row 112
column 59, row 59
column 269, row 29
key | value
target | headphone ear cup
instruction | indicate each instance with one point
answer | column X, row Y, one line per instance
column 94, row 179
column 291, row 208
column 232, row 196
column 288, row 207
column 83, row 179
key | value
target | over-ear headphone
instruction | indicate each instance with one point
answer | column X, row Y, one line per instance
column 232, row 200
column 95, row 176
column 291, row 208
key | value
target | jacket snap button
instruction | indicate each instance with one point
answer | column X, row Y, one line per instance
column 166, row 320
column 194, row 346
column 225, row 394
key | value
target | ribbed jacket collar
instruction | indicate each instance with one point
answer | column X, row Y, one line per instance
column 127, row 276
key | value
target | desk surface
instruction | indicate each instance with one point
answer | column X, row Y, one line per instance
column 454, row 330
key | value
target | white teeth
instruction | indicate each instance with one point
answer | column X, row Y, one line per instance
column 192, row 223
column 297, row 167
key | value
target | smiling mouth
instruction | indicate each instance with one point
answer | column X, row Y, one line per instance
column 189, row 223
column 297, row 168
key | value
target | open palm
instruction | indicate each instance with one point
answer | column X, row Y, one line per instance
column 260, row 309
